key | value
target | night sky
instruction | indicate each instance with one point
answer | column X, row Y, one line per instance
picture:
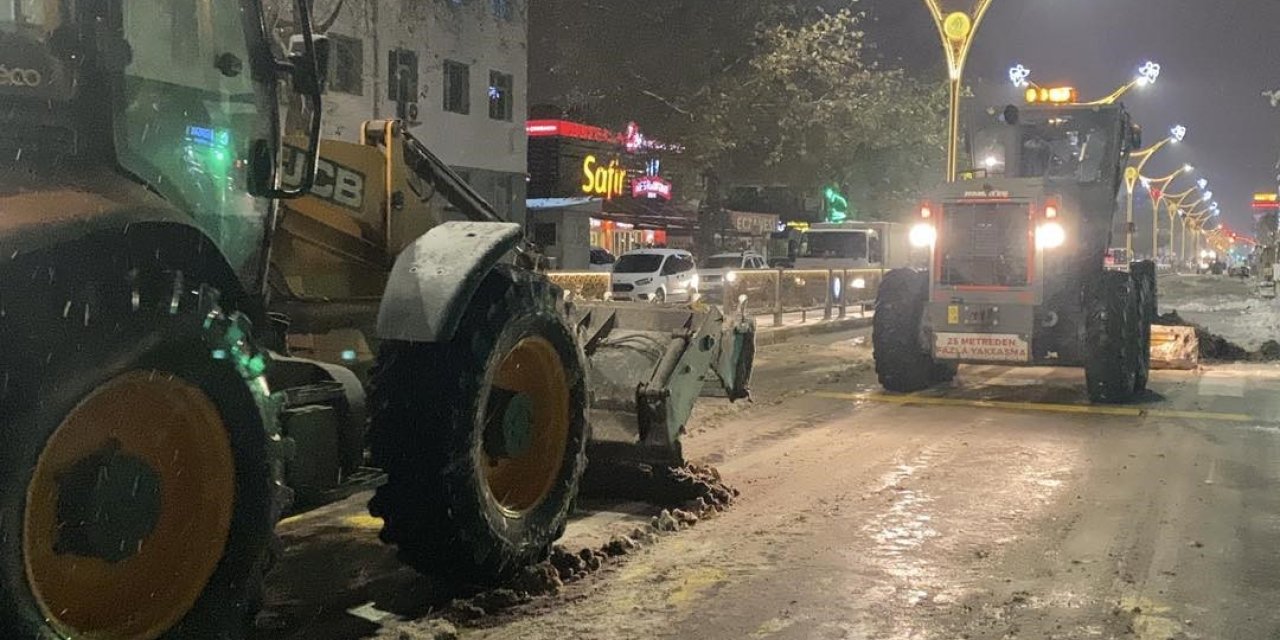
column 1217, row 56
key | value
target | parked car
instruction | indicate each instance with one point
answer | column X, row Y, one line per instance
column 720, row 268
column 601, row 260
column 654, row 275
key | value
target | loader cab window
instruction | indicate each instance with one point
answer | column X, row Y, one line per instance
column 190, row 109
column 1061, row 147
column 29, row 15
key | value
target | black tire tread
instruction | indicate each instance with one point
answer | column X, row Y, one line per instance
column 1112, row 335
column 902, row 364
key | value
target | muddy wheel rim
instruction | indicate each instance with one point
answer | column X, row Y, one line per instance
column 129, row 508
column 528, row 417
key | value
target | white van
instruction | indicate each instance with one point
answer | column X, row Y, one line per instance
column 715, row 271
column 654, row 275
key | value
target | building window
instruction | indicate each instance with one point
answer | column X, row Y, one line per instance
column 544, row 234
column 402, row 87
column 500, row 98
column 346, row 64
column 457, row 87
column 502, row 9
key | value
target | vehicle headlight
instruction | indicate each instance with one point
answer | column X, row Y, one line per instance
column 1050, row 235
column 732, row 276
column 643, row 281
column 923, row 235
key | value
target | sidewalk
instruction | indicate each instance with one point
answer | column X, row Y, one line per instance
column 796, row 324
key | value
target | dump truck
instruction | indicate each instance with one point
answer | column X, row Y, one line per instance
column 165, row 395
column 1018, row 274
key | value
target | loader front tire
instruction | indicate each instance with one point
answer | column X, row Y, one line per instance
column 135, row 476
column 483, row 439
column 903, row 364
column 1113, row 338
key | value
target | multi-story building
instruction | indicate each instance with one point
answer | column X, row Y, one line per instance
column 456, row 71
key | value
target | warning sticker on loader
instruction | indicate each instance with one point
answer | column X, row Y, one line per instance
column 985, row 347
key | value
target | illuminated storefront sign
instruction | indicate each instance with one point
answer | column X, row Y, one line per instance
column 651, row 187
column 603, row 180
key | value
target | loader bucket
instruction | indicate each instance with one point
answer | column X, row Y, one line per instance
column 1174, row 347
column 649, row 364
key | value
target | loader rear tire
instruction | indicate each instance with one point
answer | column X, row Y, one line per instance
column 1112, row 338
column 1144, row 280
column 473, row 496
column 135, row 475
column 904, row 365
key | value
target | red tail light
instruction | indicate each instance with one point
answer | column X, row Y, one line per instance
column 1051, row 209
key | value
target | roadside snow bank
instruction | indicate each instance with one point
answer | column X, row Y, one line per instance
column 1227, row 307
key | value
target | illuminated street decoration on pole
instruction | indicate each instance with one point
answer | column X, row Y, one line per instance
column 957, row 29
column 1020, row 76
column 1148, row 73
column 1133, row 173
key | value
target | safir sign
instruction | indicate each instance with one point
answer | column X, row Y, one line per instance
column 605, row 181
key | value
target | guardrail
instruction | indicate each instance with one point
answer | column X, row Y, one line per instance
column 831, row 292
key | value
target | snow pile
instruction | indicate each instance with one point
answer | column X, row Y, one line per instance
column 1227, row 307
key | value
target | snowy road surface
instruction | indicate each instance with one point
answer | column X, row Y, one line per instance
column 1001, row 507
column 1228, row 306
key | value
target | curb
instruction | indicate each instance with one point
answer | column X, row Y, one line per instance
column 770, row 336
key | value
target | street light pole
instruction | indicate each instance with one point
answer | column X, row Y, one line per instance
column 1132, row 173
column 1194, row 220
column 1147, row 74
column 1155, row 204
column 957, row 29
column 1173, row 205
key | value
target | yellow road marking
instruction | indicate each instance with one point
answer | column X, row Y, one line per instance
column 1045, row 407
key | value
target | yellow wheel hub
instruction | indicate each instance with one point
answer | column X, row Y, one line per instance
column 521, row 478
column 129, row 509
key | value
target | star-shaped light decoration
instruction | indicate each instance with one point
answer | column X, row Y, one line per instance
column 1148, row 73
column 1019, row 75
column 1178, row 133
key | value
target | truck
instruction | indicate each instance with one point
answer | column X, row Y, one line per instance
column 208, row 326
column 1018, row 273
column 854, row 245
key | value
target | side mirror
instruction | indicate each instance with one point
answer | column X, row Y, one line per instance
column 304, row 80
column 306, row 66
